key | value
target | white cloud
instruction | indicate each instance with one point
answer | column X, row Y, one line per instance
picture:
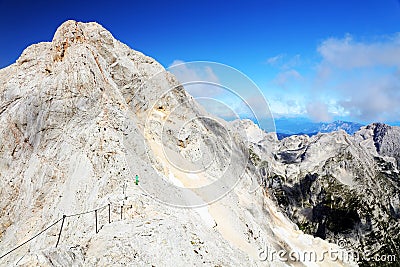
column 375, row 99
column 274, row 60
column 219, row 108
column 222, row 90
column 198, row 80
column 283, row 62
column 287, row 69
column 292, row 62
column 253, row 106
column 290, row 105
column 363, row 77
column 187, row 73
column 283, row 78
column 318, row 111
column 347, row 54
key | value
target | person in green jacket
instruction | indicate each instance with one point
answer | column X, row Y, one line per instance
column 137, row 179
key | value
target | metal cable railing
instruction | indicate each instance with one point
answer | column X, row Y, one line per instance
column 62, row 225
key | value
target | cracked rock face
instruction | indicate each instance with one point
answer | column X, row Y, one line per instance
column 338, row 187
column 81, row 116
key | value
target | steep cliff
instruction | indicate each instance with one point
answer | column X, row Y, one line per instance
column 99, row 142
column 338, row 187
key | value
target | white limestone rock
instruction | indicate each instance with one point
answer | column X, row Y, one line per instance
column 81, row 116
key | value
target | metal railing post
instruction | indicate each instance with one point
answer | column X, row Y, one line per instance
column 62, row 225
column 109, row 213
column 95, row 214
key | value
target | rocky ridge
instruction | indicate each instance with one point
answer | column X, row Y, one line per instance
column 81, row 116
column 338, row 187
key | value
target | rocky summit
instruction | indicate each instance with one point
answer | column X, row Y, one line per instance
column 339, row 187
column 106, row 160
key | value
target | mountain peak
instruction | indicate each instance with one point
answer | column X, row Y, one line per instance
column 71, row 32
column 74, row 31
column 81, row 117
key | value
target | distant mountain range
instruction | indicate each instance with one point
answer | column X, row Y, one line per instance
column 336, row 186
column 297, row 126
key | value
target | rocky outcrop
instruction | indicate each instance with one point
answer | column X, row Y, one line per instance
column 339, row 187
column 386, row 139
column 81, row 116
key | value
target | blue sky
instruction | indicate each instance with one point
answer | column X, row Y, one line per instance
column 320, row 59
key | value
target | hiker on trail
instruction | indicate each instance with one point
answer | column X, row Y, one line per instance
column 137, row 179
